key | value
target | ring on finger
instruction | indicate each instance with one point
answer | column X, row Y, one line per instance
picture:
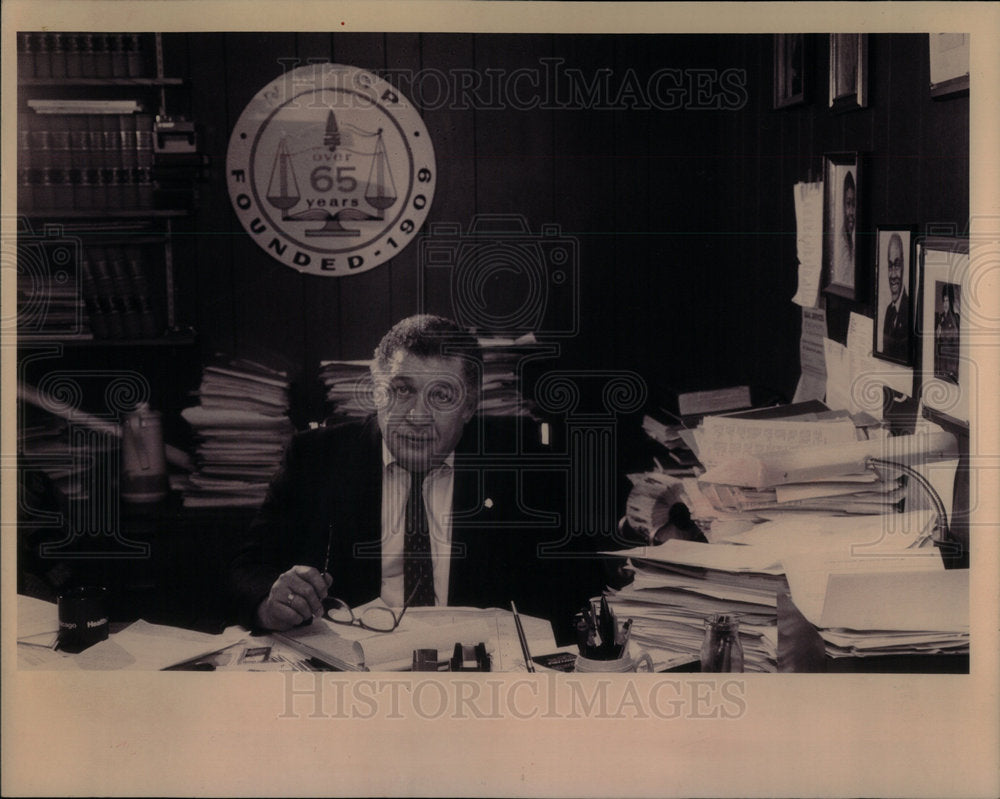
column 290, row 598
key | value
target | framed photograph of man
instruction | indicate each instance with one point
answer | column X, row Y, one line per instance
column 790, row 69
column 894, row 293
column 848, row 71
column 841, row 204
column 947, row 373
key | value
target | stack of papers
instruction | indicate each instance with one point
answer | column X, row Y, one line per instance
column 674, row 439
column 242, row 429
column 348, row 388
column 349, row 385
column 501, row 390
column 878, row 606
column 680, row 583
column 760, row 468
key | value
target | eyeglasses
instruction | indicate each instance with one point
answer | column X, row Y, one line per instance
column 375, row 619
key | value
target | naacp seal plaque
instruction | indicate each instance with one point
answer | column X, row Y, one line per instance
column 330, row 170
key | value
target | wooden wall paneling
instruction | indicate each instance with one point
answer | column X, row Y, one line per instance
column 320, row 295
column 637, row 335
column 215, row 225
column 780, row 347
column 945, row 183
column 448, row 93
column 402, row 55
column 514, row 172
column 365, row 312
column 583, row 194
column 268, row 301
column 906, row 91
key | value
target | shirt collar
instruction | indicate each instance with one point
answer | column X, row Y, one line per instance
column 388, row 459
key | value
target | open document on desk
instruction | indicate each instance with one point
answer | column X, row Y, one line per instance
column 139, row 646
column 351, row 648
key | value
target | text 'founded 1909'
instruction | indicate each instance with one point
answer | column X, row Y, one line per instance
column 330, row 170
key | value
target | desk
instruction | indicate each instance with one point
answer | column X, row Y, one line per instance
column 141, row 645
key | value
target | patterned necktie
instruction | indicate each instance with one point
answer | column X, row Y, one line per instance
column 417, row 564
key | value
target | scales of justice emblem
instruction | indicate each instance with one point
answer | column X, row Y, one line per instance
column 330, row 170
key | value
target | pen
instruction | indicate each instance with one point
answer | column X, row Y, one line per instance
column 329, row 541
column 520, row 635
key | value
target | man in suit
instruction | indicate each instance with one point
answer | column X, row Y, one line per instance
column 896, row 323
column 408, row 506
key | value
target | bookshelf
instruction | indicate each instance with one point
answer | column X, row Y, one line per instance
column 100, row 189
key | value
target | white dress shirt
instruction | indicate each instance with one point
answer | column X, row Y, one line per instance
column 439, row 485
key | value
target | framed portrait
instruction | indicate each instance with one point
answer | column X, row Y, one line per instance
column 894, row 284
column 949, row 62
column 943, row 329
column 848, row 71
column 841, row 204
column 790, row 69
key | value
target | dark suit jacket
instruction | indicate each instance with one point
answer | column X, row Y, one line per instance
column 330, row 487
column 896, row 329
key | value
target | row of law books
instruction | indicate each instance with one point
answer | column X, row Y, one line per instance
column 118, row 293
column 57, row 54
column 112, row 296
column 85, row 155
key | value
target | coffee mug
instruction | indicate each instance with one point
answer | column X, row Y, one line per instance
column 83, row 617
column 626, row 663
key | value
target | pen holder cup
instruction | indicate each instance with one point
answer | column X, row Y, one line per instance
column 621, row 665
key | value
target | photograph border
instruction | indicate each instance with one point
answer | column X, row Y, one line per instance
column 859, row 97
column 943, row 402
column 782, row 61
column 830, row 160
column 887, row 229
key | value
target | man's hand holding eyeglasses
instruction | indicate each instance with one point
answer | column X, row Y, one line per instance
column 296, row 596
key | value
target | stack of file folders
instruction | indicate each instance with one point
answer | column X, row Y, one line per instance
column 680, row 583
column 348, row 387
column 242, row 429
column 874, row 607
column 501, row 390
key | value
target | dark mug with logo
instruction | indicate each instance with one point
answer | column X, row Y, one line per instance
column 83, row 617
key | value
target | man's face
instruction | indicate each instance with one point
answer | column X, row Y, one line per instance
column 895, row 269
column 849, row 210
column 423, row 405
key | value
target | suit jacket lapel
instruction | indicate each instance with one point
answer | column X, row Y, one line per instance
column 357, row 486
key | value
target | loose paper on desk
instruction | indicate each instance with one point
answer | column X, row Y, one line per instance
column 867, row 373
column 725, row 557
column 812, row 359
column 809, row 241
column 809, row 573
column 143, row 645
column 847, row 535
column 353, row 648
column 721, row 438
column 838, row 375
